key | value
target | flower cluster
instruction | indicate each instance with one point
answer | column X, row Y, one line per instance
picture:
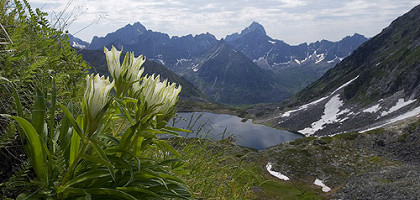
column 161, row 96
column 126, row 74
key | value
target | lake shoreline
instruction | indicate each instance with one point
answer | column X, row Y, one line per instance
column 245, row 133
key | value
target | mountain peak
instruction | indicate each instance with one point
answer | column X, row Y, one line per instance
column 139, row 27
column 255, row 26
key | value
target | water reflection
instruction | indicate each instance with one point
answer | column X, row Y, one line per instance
column 219, row 126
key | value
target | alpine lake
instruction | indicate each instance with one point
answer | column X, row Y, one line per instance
column 220, row 126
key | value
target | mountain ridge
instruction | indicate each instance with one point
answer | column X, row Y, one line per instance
column 228, row 76
column 378, row 84
column 181, row 54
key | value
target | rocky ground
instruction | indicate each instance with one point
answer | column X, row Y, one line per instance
column 379, row 164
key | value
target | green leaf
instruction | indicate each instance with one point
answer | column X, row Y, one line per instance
column 103, row 155
column 126, row 137
column 121, row 106
column 17, row 102
column 37, row 155
column 138, row 145
column 125, row 165
column 177, row 129
column 74, row 147
column 165, row 145
column 89, row 175
column 98, row 161
column 72, row 121
column 63, row 136
column 38, row 114
column 110, row 138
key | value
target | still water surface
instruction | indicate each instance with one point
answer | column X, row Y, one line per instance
column 219, row 126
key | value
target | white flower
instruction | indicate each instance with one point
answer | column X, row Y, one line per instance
column 160, row 96
column 132, row 68
column 113, row 61
column 126, row 74
column 96, row 95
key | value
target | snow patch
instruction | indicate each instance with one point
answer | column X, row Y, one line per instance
column 319, row 58
column 272, row 41
column 297, row 61
column 345, row 84
column 303, row 107
column 279, row 175
column 400, row 104
column 77, row 45
column 331, row 113
column 411, row 113
column 372, row 109
column 320, row 183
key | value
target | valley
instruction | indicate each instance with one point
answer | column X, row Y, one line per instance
column 354, row 109
column 248, row 116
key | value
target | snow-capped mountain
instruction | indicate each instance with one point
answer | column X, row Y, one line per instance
column 182, row 55
column 377, row 85
column 298, row 65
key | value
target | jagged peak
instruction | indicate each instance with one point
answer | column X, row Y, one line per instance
column 255, row 26
column 139, row 26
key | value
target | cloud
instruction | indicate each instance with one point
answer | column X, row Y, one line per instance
column 293, row 21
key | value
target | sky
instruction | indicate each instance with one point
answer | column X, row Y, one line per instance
column 293, row 21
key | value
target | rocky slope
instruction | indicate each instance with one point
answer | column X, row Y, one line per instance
column 378, row 164
column 228, row 76
column 297, row 65
column 376, row 85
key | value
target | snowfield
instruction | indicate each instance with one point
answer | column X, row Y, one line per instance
column 372, row 109
column 400, row 104
column 412, row 113
column 331, row 115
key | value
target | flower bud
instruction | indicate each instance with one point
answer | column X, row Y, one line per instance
column 96, row 97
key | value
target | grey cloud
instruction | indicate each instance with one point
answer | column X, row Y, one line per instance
column 305, row 21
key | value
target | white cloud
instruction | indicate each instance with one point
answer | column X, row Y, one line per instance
column 294, row 21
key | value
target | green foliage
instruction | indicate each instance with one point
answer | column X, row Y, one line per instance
column 31, row 52
column 35, row 52
column 87, row 155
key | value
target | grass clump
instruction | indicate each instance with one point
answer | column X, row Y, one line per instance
column 223, row 170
